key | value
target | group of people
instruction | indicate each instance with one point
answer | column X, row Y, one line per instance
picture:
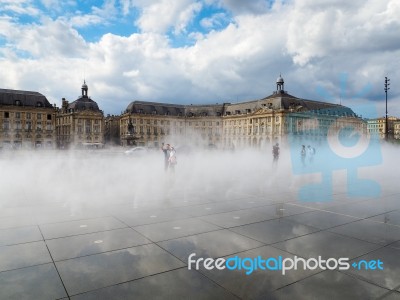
column 169, row 157
column 305, row 152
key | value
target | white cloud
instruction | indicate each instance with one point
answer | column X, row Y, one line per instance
column 238, row 7
column 126, row 6
column 310, row 44
column 21, row 7
column 52, row 38
column 98, row 15
column 215, row 20
column 160, row 16
column 320, row 31
column 57, row 5
column 107, row 10
column 85, row 20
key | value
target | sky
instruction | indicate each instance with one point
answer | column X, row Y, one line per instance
column 202, row 52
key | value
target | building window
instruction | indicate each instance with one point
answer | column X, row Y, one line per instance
column 6, row 125
column 6, row 114
column 39, row 116
column 18, row 115
column 28, row 116
column 49, row 117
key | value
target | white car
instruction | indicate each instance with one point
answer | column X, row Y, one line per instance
column 137, row 151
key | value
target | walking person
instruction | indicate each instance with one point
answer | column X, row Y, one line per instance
column 172, row 159
column 166, row 155
column 275, row 153
column 310, row 153
column 303, row 155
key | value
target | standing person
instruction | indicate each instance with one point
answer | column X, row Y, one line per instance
column 166, row 156
column 303, row 155
column 172, row 158
column 275, row 152
column 310, row 153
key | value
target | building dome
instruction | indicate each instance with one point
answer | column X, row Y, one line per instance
column 83, row 103
column 280, row 79
column 131, row 107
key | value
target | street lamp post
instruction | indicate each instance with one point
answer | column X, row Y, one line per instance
column 387, row 83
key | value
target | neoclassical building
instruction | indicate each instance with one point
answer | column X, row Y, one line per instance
column 378, row 126
column 252, row 123
column 396, row 129
column 80, row 123
column 150, row 123
column 112, row 130
column 27, row 120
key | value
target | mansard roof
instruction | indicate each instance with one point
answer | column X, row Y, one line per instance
column 23, row 98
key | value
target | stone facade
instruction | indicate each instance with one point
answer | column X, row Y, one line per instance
column 396, row 128
column 27, row 120
column 235, row 125
column 80, row 124
column 150, row 124
column 112, row 130
column 378, row 126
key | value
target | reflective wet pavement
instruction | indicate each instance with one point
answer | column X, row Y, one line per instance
column 139, row 249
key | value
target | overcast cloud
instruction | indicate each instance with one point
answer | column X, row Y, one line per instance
column 208, row 51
